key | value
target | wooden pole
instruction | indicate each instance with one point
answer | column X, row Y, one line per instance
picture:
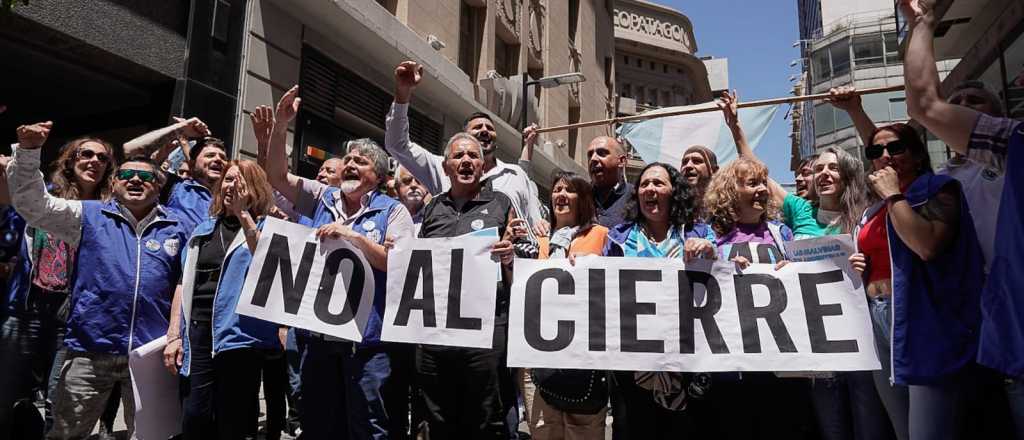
column 712, row 108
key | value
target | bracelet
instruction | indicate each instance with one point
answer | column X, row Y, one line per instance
column 176, row 338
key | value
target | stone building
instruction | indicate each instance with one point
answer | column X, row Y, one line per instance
column 119, row 68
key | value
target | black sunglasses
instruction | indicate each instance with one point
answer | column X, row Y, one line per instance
column 145, row 176
column 89, row 154
column 894, row 148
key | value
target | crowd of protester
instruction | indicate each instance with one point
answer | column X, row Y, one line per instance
column 118, row 247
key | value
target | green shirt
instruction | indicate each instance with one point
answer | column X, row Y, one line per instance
column 802, row 217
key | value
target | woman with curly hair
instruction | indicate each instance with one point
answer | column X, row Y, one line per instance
column 33, row 327
column 745, row 219
column 660, row 223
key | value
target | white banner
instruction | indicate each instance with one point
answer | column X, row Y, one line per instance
column 299, row 281
column 442, row 291
column 653, row 314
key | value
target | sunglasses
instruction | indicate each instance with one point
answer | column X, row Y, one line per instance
column 894, row 148
column 145, row 176
column 89, row 154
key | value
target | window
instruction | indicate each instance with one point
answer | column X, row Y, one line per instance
column 652, row 97
column 664, row 68
column 868, row 50
column 666, row 99
column 824, row 122
column 641, row 94
column 898, row 109
column 639, row 62
column 574, row 18
column 652, row 65
column 821, row 68
column 469, row 39
column 892, row 48
column 840, row 53
column 625, row 59
column 506, row 58
column 627, row 91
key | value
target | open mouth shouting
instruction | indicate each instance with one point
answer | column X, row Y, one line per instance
column 135, row 190
column 215, row 169
column 466, row 173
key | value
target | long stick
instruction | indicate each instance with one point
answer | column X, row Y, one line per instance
column 712, row 108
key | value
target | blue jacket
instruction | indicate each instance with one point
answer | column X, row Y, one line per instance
column 617, row 236
column 190, row 201
column 936, row 305
column 18, row 284
column 1002, row 327
column 372, row 223
column 230, row 330
column 124, row 280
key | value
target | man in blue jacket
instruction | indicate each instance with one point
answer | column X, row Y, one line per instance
column 127, row 267
column 343, row 382
column 188, row 198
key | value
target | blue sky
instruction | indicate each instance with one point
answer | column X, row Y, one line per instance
column 757, row 37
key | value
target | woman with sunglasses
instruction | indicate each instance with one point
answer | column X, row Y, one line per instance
column 922, row 267
column 660, row 223
column 220, row 352
column 36, row 302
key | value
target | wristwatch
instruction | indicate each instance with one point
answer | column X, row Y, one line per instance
column 894, row 198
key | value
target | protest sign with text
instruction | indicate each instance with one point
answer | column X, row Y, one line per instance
column 299, row 281
column 652, row 314
column 442, row 291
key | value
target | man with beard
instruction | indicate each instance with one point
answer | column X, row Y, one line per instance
column 508, row 179
column 190, row 197
column 126, row 269
column 343, row 383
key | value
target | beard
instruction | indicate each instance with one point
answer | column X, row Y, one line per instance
column 349, row 186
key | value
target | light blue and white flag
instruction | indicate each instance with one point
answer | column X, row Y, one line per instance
column 665, row 139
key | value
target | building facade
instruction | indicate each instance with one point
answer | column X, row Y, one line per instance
column 117, row 68
column 850, row 43
column 655, row 62
column 987, row 37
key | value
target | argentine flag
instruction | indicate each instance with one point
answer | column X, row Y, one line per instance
column 665, row 139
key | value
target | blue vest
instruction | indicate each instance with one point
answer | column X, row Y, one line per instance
column 1002, row 329
column 372, row 223
column 935, row 304
column 19, row 282
column 230, row 330
column 190, row 202
column 124, row 281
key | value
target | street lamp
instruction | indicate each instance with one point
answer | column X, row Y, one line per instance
column 546, row 82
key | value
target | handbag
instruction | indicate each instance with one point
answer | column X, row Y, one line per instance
column 572, row 391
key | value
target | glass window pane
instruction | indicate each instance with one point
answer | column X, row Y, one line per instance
column 823, row 120
column 840, row 51
column 892, row 48
column 877, row 107
column 868, row 50
column 819, row 62
column 843, row 120
column 898, row 109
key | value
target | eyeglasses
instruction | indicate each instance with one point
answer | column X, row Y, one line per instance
column 894, row 148
column 128, row 174
column 89, row 154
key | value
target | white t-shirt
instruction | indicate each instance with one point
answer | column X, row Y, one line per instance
column 983, row 188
